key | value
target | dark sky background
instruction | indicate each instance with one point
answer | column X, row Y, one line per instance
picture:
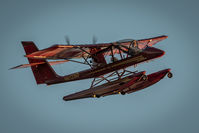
column 168, row 106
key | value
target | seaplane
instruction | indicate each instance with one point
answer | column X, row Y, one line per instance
column 107, row 64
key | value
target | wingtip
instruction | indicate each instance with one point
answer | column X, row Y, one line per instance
column 15, row 67
column 10, row 68
column 164, row 36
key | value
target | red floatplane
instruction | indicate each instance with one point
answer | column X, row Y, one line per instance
column 122, row 54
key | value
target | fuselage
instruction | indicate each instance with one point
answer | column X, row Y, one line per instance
column 146, row 55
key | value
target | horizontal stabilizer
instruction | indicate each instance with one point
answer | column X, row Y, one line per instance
column 38, row 63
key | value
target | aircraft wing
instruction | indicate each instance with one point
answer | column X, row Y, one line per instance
column 79, row 51
column 58, row 52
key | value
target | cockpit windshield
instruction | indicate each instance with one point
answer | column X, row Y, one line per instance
column 131, row 46
column 132, row 43
column 142, row 46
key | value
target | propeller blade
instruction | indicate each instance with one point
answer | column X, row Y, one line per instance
column 94, row 39
column 67, row 40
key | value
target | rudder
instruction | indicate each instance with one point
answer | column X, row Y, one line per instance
column 42, row 72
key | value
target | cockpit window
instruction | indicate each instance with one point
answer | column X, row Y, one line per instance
column 132, row 47
column 133, row 43
column 142, row 46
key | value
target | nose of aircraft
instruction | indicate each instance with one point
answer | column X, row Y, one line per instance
column 153, row 52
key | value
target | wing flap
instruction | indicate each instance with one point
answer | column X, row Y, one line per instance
column 49, row 53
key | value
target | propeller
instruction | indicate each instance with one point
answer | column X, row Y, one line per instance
column 67, row 40
column 94, row 39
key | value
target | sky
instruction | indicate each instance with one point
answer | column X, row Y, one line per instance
column 171, row 105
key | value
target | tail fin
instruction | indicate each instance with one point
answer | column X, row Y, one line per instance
column 42, row 72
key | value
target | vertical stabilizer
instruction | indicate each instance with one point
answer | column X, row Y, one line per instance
column 42, row 72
